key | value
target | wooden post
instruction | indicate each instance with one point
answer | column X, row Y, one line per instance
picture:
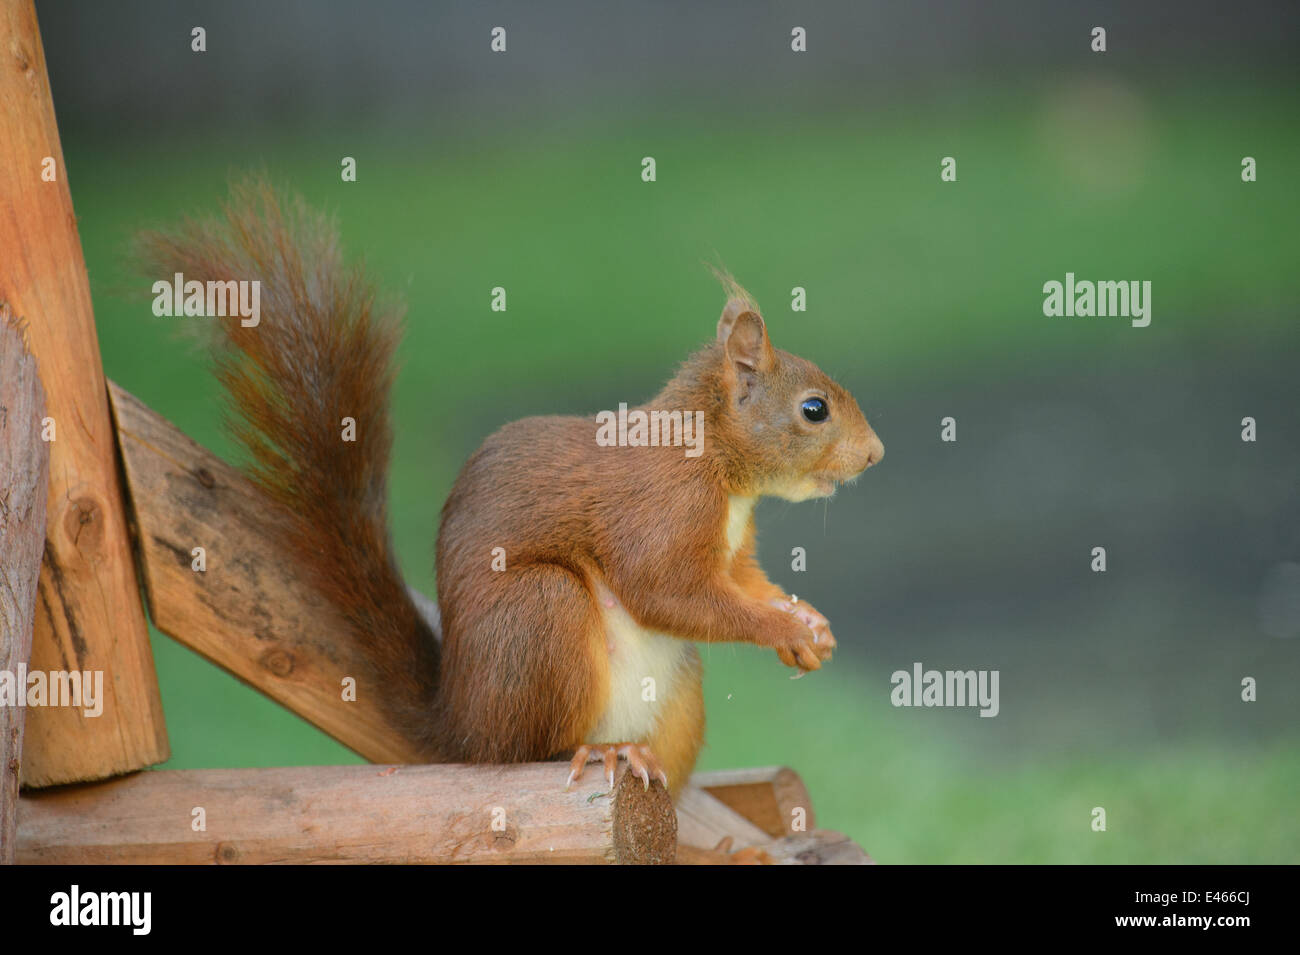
column 89, row 615
column 24, row 483
column 393, row 814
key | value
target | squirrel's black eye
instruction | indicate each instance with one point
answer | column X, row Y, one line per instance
column 814, row 409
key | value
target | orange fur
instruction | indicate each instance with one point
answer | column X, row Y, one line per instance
column 679, row 732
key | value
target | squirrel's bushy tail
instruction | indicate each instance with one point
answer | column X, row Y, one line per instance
column 321, row 353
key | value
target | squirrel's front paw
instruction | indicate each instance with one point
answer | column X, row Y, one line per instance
column 797, row 645
column 823, row 641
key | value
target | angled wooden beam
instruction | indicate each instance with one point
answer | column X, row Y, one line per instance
column 89, row 616
column 774, row 798
column 24, row 483
column 247, row 609
column 393, row 814
column 703, row 821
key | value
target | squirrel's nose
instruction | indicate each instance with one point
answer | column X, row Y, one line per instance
column 875, row 450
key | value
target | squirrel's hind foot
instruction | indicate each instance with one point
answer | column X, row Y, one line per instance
column 640, row 762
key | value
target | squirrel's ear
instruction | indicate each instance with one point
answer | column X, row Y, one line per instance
column 744, row 335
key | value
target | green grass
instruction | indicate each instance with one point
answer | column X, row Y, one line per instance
column 909, row 793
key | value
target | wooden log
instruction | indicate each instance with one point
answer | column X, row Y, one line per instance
column 24, row 483
column 248, row 611
column 703, row 821
column 821, row 847
column 769, row 796
column 89, row 616
column 355, row 814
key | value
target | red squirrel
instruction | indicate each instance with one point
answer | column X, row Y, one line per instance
column 613, row 559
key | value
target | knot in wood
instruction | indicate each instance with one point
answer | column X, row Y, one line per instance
column 83, row 521
column 278, row 662
column 23, row 55
column 227, row 854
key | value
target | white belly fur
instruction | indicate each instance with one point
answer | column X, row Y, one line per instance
column 636, row 654
column 739, row 511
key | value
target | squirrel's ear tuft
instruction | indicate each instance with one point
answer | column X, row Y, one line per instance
column 744, row 335
column 735, row 307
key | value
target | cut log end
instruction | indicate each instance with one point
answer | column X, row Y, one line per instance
column 645, row 825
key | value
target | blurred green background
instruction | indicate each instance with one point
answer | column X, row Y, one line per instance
column 1119, row 690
